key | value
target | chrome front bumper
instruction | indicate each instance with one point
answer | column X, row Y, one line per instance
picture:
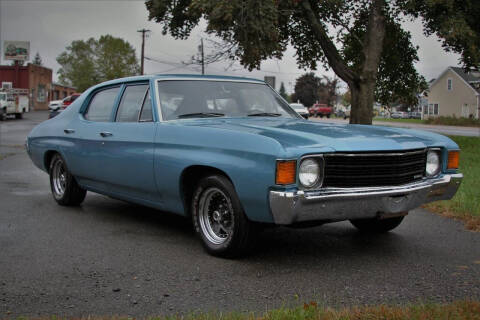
column 337, row 204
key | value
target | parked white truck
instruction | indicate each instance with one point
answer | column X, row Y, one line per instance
column 13, row 102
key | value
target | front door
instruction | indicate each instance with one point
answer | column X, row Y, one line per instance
column 113, row 151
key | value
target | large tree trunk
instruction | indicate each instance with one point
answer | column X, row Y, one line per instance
column 363, row 89
column 362, row 101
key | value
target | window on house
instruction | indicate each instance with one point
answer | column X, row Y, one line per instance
column 449, row 84
column 432, row 109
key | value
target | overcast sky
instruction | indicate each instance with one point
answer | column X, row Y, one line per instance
column 51, row 25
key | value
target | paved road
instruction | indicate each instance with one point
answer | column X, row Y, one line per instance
column 110, row 257
column 450, row 130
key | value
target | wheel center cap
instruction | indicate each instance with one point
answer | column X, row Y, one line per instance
column 216, row 216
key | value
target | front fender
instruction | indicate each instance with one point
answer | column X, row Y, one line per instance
column 250, row 164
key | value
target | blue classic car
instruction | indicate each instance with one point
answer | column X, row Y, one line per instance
column 231, row 154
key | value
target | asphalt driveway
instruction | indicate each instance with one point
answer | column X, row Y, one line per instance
column 109, row 257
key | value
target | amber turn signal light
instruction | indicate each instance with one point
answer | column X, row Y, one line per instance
column 453, row 159
column 286, row 172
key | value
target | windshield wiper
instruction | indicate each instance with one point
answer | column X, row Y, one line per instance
column 201, row 115
column 264, row 114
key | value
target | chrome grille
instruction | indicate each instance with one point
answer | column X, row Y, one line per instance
column 374, row 169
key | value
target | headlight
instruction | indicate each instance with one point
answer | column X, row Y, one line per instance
column 309, row 173
column 433, row 163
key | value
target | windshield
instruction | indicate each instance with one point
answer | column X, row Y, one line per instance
column 199, row 98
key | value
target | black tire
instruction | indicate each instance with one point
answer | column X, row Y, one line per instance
column 376, row 225
column 65, row 190
column 328, row 116
column 242, row 232
column 18, row 115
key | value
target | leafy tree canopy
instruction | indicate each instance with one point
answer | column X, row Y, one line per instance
column 86, row 63
column 306, row 89
column 361, row 40
column 455, row 22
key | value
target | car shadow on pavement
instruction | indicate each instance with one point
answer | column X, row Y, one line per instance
column 330, row 241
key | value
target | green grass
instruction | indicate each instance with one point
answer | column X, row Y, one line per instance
column 466, row 203
column 446, row 121
column 419, row 121
column 453, row 311
column 453, row 121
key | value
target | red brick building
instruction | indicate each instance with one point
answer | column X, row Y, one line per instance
column 38, row 81
column 60, row 91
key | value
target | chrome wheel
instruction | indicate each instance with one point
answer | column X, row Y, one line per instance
column 59, row 178
column 216, row 217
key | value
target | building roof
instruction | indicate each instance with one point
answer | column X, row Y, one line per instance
column 469, row 77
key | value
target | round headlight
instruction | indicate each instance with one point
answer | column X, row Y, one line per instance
column 309, row 173
column 433, row 164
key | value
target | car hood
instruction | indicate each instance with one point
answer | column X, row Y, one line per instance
column 297, row 135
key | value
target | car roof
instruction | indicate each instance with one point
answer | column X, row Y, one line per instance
column 179, row 77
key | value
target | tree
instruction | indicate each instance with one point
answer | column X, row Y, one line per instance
column 327, row 92
column 37, row 60
column 86, row 63
column 257, row 30
column 456, row 23
column 283, row 92
column 306, row 89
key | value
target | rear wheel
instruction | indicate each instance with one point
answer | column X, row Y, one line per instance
column 18, row 115
column 65, row 189
column 376, row 225
column 219, row 218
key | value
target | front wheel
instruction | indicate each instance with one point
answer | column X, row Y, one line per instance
column 65, row 189
column 219, row 219
column 18, row 115
column 376, row 225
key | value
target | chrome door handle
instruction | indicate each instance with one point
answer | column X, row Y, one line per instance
column 69, row 131
column 106, row 134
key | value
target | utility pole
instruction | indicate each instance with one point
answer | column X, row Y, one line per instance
column 203, row 58
column 143, row 31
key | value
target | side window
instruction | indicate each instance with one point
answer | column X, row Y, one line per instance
column 146, row 115
column 101, row 105
column 131, row 103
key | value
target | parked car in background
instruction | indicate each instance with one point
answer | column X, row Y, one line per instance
column 415, row 115
column 54, row 107
column 69, row 100
column 232, row 155
column 300, row 109
column 399, row 115
column 320, row 110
